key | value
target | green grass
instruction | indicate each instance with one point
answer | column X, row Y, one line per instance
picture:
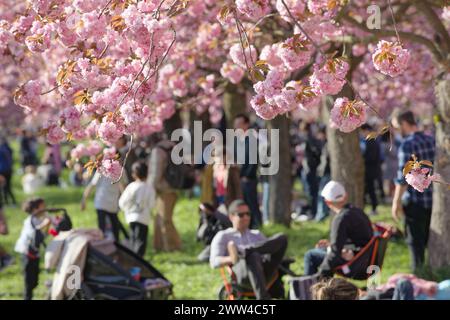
column 191, row 279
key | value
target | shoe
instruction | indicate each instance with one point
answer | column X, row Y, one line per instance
column 373, row 213
column 233, row 252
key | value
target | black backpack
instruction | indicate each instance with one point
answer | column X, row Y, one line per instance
column 179, row 176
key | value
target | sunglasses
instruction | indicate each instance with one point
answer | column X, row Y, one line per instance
column 243, row 214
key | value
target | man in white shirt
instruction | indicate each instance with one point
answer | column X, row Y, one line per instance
column 253, row 256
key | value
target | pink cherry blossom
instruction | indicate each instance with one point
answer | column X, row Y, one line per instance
column 109, row 153
column 54, row 133
column 419, row 179
column 237, row 55
column 296, row 7
column 270, row 54
column 39, row 40
column 390, row 58
column 263, row 109
column 306, row 97
column 93, row 148
column 232, row 72
column 348, row 115
column 78, row 152
column 324, row 8
column 110, row 169
column 253, row 9
column 29, row 95
column 70, row 118
column 330, row 78
column 109, row 132
column 271, row 86
column 295, row 52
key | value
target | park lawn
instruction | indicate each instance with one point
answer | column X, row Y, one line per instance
column 191, row 279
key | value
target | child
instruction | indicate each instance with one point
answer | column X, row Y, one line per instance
column 31, row 238
column 106, row 202
column 31, row 181
column 136, row 202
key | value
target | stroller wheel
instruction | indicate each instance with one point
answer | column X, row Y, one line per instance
column 235, row 293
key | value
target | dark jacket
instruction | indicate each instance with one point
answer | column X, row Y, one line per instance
column 350, row 228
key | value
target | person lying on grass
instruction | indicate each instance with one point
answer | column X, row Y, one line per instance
column 351, row 230
column 252, row 256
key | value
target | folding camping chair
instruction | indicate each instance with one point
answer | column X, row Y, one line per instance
column 372, row 254
column 232, row 290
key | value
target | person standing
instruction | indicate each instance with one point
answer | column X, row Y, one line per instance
column 52, row 158
column 311, row 161
column 415, row 206
column 6, row 170
column 372, row 159
column 28, row 149
column 106, row 202
column 248, row 174
column 136, row 202
column 165, row 235
column 324, row 173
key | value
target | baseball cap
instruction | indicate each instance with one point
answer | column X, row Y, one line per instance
column 333, row 191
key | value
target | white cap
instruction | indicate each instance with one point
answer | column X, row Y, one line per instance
column 333, row 191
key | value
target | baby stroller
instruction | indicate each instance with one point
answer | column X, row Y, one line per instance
column 111, row 271
column 110, row 274
column 231, row 290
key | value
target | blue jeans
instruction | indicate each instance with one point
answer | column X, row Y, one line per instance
column 311, row 188
column 322, row 209
column 265, row 201
column 404, row 290
column 313, row 259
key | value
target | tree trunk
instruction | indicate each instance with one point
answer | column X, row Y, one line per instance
column 281, row 183
column 439, row 241
column 347, row 165
column 233, row 103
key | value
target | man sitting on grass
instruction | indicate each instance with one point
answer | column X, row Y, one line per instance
column 351, row 230
column 252, row 255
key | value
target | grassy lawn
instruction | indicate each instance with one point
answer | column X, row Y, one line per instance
column 192, row 280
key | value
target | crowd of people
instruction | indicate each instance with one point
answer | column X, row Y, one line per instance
column 233, row 206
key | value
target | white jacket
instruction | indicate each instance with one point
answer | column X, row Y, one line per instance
column 137, row 201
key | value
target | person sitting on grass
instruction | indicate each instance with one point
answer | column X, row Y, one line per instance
column 351, row 230
column 31, row 239
column 136, row 202
column 252, row 256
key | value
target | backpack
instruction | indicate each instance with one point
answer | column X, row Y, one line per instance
column 179, row 176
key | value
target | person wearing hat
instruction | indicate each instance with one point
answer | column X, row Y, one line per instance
column 351, row 230
column 253, row 256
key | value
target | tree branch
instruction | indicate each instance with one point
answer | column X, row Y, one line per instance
column 405, row 35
